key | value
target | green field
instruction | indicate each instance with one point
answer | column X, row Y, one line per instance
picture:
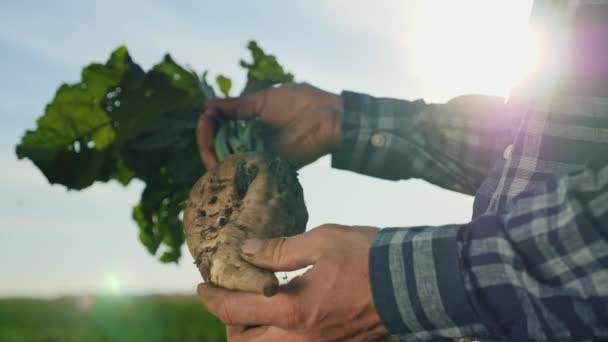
column 145, row 318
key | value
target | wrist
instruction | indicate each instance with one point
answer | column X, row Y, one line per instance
column 336, row 109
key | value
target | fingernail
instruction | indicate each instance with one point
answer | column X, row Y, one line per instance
column 251, row 246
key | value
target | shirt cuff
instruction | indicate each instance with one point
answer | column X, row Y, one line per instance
column 369, row 144
column 417, row 285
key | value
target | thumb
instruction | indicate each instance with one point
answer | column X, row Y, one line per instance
column 236, row 107
column 282, row 254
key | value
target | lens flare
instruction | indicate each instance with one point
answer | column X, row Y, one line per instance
column 476, row 46
column 112, row 284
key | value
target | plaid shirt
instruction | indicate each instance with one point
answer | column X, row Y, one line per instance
column 532, row 264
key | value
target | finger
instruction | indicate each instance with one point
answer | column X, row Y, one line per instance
column 237, row 333
column 205, row 133
column 245, row 107
column 298, row 145
column 262, row 334
column 245, row 308
column 275, row 334
column 283, row 254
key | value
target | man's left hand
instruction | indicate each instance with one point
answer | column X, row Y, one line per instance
column 332, row 301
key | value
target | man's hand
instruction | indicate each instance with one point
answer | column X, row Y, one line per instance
column 332, row 301
column 306, row 119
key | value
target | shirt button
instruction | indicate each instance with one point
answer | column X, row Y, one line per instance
column 508, row 151
column 378, row 140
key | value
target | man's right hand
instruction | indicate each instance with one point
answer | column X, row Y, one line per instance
column 307, row 121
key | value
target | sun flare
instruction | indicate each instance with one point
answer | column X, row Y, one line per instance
column 480, row 46
column 112, row 284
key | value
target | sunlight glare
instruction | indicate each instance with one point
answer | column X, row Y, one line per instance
column 474, row 46
column 112, row 284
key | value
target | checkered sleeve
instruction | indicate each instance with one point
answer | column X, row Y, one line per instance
column 538, row 271
column 452, row 145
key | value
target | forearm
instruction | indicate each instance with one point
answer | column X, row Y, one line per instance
column 536, row 272
column 452, row 145
column 418, row 286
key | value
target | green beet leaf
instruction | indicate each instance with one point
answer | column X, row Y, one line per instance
column 224, row 83
column 73, row 142
column 264, row 71
column 120, row 122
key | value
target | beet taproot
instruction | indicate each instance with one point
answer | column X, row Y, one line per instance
column 247, row 195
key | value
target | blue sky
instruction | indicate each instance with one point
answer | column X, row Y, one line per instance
column 55, row 242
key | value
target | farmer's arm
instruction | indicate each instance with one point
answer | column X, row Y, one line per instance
column 538, row 271
column 452, row 145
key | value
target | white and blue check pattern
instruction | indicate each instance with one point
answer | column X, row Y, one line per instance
column 532, row 264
